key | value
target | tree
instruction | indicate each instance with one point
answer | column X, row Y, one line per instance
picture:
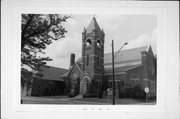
column 38, row 31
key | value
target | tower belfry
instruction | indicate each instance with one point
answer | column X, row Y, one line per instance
column 93, row 51
column 93, row 26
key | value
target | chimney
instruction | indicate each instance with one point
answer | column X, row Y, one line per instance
column 72, row 60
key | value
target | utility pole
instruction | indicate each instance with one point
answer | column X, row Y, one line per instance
column 113, row 58
column 113, row 72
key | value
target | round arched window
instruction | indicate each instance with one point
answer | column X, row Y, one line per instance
column 98, row 42
column 88, row 42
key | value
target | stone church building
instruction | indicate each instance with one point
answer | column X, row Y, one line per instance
column 92, row 73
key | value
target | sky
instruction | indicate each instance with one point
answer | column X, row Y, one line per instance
column 137, row 30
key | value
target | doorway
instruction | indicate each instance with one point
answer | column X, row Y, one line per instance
column 85, row 85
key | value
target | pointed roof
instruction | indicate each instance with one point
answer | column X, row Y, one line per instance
column 93, row 26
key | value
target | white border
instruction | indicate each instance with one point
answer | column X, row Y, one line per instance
column 11, row 96
column 76, row 10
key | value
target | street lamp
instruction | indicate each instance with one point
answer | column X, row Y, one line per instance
column 113, row 58
column 120, row 49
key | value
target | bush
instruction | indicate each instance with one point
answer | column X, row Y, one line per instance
column 100, row 93
column 69, row 95
column 128, row 92
column 72, row 93
column 121, row 95
column 89, row 96
column 137, row 92
column 152, row 97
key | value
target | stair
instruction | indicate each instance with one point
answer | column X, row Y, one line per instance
column 78, row 97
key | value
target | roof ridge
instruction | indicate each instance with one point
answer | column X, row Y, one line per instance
column 130, row 49
column 54, row 67
column 78, row 66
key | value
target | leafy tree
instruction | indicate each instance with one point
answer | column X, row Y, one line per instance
column 38, row 31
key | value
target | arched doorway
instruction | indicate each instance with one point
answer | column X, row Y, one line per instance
column 85, row 85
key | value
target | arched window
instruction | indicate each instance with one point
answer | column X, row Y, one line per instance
column 88, row 42
column 98, row 42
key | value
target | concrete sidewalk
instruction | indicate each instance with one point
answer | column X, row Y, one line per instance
column 67, row 100
column 122, row 101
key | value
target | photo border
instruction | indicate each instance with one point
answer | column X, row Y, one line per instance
column 160, row 13
column 123, row 8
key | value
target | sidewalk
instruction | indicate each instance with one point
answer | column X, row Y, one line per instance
column 67, row 100
column 122, row 101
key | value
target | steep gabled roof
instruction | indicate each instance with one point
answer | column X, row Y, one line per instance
column 125, row 55
column 93, row 26
column 52, row 73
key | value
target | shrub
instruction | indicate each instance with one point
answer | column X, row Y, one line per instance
column 128, row 92
column 121, row 94
column 89, row 96
column 69, row 95
column 100, row 93
column 72, row 93
column 137, row 92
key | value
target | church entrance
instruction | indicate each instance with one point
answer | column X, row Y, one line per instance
column 85, row 85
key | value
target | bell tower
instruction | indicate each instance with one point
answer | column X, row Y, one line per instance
column 93, row 50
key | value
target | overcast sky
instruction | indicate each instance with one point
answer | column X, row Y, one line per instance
column 137, row 30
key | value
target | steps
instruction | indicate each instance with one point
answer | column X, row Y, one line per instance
column 78, row 97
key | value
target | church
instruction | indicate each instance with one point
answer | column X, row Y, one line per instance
column 91, row 74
